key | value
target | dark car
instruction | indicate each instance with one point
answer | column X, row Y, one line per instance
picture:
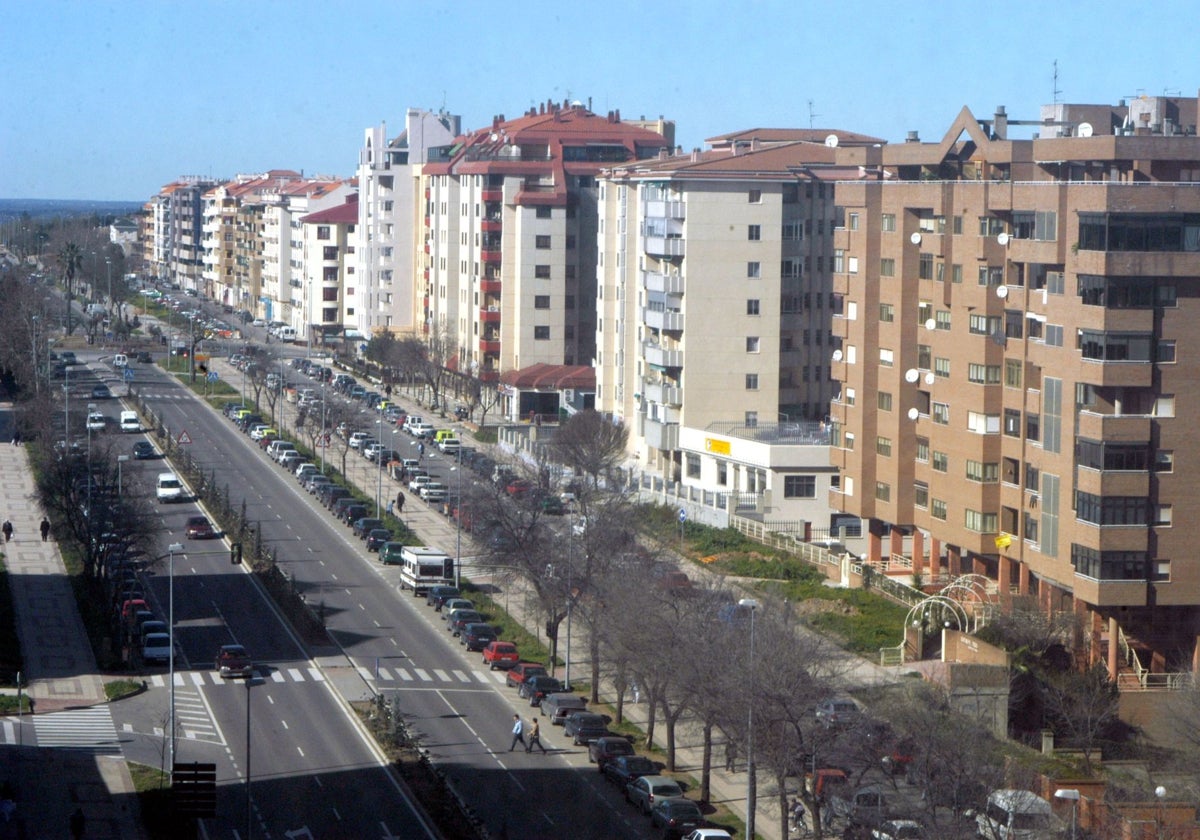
column 330, row 493
column 585, row 727
column 376, row 537
column 477, row 636
column 535, row 688
column 438, row 595
column 101, row 392
column 676, row 817
column 350, row 512
column 233, row 661
column 604, row 750
column 364, row 526
column 459, row 619
column 623, row 769
column 143, row 450
column 143, row 357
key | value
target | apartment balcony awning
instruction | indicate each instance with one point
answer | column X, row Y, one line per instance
column 544, row 377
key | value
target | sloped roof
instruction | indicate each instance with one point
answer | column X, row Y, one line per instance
column 792, row 135
column 341, row 214
column 544, row 377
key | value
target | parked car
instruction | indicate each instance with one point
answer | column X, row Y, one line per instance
column 459, row 619
column 438, row 595
column 452, row 604
column 623, row 769
column 352, row 513
column 377, row 538
column 199, row 528
column 585, row 727
column 644, row 791
column 233, row 661
column 144, row 450
column 838, row 712
column 156, row 647
column 477, row 636
column 603, row 750
column 522, row 671
column 899, row 830
column 365, row 525
column 560, row 704
column 675, row 817
column 539, row 686
column 500, row 655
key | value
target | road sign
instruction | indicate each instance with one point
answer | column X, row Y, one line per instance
column 194, row 787
column 128, row 374
column 212, row 376
column 184, row 438
column 682, row 515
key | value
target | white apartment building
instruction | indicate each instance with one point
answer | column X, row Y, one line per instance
column 384, row 292
column 510, row 235
column 178, row 214
column 330, row 269
column 715, row 303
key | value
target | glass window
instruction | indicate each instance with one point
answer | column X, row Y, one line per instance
column 887, row 267
column 541, row 301
column 886, row 313
column 941, row 461
column 753, row 269
column 883, row 491
column 751, row 344
column 941, row 413
column 751, row 381
column 542, row 242
column 937, row 509
column 752, row 306
column 883, row 446
column 756, row 196
column 541, row 333
column 885, row 401
column 887, row 223
column 799, row 486
column 754, row 233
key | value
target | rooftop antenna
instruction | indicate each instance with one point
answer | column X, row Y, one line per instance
column 1056, row 90
column 811, row 115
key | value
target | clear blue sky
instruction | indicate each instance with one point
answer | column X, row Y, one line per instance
column 111, row 100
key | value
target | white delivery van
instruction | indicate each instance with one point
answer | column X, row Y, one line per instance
column 1016, row 815
column 120, row 360
column 130, row 422
column 287, row 333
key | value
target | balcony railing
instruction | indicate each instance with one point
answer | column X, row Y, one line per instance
column 655, row 281
column 663, row 394
column 661, row 357
column 663, row 436
column 491, row 315
column 489, row 286
column 490, row 255
column 663, row 319
column 664, row 246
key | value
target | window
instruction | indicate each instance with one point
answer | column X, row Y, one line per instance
column 883, row 446
column 887, row 267
column 885, row 357
column 693, row 465
column 751, row 344
column 924, row 357
column 983, row 472
column 751, row 381
column 755, row 196
column 754, row 233
column 1166, row 352
column 956, row 273
column 883, row 491
column 322, row 231
column 920, row 494
column 885, row 401
column 941, row 413
column 752, row 306
column 839, row 261
column 542, row 242
column 983, row 374
column 887, row 223
column 1112, row 456
column 1164, row 461
column 541, row 301
column 753, row 269
column 937, row 509
column 1111, row 510
column 941, row 367
column 942, row 320
column 923, row 450
column 983, row 324
column 941, row 461
column 887, row 313
column 1012, row 422
column 799, row 486
column 1109, row 565
column 852, row 221
column 1012, row 373
column 1163, row 515
column 925, row 266
column 751, row 419
column 543, row 212
column 541, row 272
column 541, row 333
column 981, row 523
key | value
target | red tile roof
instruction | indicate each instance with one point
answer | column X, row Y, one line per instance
column 792, row 135
column 545, row 377
column 342, row 214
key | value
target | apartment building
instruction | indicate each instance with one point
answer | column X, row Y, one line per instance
column 177, row 214
column 715, row 305
column 509, row 235
column 389, row 257
column 329, row 269
column 1017, row 383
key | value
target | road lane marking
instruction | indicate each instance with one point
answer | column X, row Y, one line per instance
column 462, row 677
column 363, row 672
column 277, row 676
column 482, row 676
column 295, row 674
column 421, row 673
column 315, row 675
column 404, row 675
column 385, row 674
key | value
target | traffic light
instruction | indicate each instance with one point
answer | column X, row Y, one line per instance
column 235, row 554
column 551, row 630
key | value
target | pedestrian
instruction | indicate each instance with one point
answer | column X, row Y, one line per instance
column 797, row 814
column 518, row 733
column 16, row 439
column 730, row 755
column 45, row 526
column 420, row 451
column 535, row 738
column 391, row 508
column 399, row 502
column 78, row 823
column 8, row 530
column 637, row 692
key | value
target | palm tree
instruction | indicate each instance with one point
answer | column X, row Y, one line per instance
column 70, row 259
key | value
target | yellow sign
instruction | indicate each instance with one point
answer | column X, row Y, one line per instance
column 720, row 447
column 1003, row 541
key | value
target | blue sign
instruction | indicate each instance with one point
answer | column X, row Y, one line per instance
column 128, row 374
column 682, row 515
column 212, row 376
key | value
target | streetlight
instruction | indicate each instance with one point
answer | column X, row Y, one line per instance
column 751, row 792
column 1160, row 793
column 1071, row 795
column 171, row 549
column 108, row 265
column 458, row 521
column 121, row 459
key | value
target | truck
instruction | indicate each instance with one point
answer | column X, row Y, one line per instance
column 423, row 566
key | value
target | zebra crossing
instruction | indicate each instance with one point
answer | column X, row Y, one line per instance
column 88, row 730
column 200, row 679
column 415, row 676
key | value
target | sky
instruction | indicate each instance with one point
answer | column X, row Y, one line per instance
column 111, row 100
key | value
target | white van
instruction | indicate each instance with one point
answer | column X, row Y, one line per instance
column 120, row 360
column 1016, row 815
column 287, row 333
column 129, row 422
column 168, row 488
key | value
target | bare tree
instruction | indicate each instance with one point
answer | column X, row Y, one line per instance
column 591, row 444
column 1083, row 706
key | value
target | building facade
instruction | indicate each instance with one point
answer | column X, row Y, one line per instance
column 1017, row 394
column 329, row 268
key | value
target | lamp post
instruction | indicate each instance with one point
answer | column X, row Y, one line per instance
column 458, row 520
column 751, row 791
column 171, row 549
column 1160, row 793
column 324, row 431
column 1070, row 795
column 108, row 266
column 249, row 801
column 121, row 459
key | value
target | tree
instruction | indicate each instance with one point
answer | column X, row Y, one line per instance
column 591, row 444
column 1083, row 706
column 70, row 260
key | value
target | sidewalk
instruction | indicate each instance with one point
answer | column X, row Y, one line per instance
column 726, row 788
column 60, row 673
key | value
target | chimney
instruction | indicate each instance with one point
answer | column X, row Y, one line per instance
column 662, row 154
column 913, row 137
column 618, row 113
column 589, row 103
column 1000, row 124
column 695, row 155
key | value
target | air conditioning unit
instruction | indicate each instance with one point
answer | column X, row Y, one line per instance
column 568, row 395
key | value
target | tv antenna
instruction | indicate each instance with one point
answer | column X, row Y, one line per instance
column 1056, row 90
column 811, row 115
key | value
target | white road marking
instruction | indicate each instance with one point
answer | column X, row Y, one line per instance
column 295, row 674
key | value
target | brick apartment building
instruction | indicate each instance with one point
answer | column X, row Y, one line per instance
column 1018, row 364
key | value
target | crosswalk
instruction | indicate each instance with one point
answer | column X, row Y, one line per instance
column 433, row 675
column 200, row 679
column 86, row 730
column 378, row 674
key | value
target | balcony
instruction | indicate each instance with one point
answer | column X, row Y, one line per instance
column 489, row 346
column 489, row 375
column 490, row 255
column 493, row 194
column 665, row 210
column 663, row 319
column 488, row 286
column 664, row 246
column 663, row 436
column 655, row 281
column 491, row 315
column 491, row 225
column 661, row 357
column 1117, row 374
column 1114, row 428
column 663, row 394
column 1133, row 483
column 1110, row 593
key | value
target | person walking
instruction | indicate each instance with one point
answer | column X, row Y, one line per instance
column 730, row 755
column 535, row 738
column 399, row 502
column 45, row 527
column 391, row 508
column 7, row 528
column 518, row 733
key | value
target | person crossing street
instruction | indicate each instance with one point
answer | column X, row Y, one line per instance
column 518, row 733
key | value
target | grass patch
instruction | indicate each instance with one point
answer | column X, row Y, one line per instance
column 11, row 662
column 154, row 796
column 486, row 434
column 8, row 704
column 528, row 645
column 117, row 689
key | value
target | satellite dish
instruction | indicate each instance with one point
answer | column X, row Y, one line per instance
column 930, row 378
column 913, row 414
column 1085, row 129
column 1002, row 291
column 837, row 355
column 930, row 324
column 1002, row 238
column 912, row 375
column 831, row 141
column 494, row 137
column 915, row 239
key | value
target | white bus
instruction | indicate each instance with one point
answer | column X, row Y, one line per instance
column 423, row 566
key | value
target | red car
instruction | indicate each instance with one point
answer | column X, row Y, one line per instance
column 520, row 672
column 500, row 655
column 199, row 528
